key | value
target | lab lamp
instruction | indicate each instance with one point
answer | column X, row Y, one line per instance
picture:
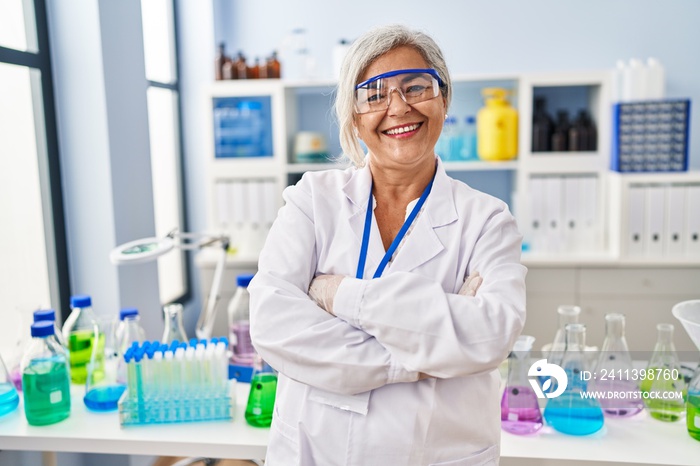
column 148, row 249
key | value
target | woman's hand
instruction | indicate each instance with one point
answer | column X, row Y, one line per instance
column 471, row 285
column 322, row 290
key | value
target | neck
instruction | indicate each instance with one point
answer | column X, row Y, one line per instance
column 400, row 184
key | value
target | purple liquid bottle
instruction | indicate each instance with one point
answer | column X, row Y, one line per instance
column 242, row 350
column 520, row 410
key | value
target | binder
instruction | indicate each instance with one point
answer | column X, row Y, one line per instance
column 675, row 216
column 536, row 226
column 270, row 203
column 571, row 225
column 635, row 238
column 692, row 216
column 590, row 237
column 223, row 203
column 553, row 212
column 654, row 225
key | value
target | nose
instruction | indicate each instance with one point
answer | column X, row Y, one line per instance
column 397, row 106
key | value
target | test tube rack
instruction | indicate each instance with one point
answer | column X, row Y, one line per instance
column 177, row 383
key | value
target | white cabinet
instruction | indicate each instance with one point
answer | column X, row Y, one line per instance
column 570, row 207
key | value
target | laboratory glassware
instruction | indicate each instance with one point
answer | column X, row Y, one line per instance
column 568, row 314
column 239, row 323
column 662, row 380
column 9, row 399
column 50, row 315
column 78, row 332
column 174, row 329
column 520, row 411
column 261, row 399
column 128, row 329
column 688, row 312
column 102, row 387
column 176, row 383
column 45, row 377
column 614, row 372
column 24, row 319
column 572, row 412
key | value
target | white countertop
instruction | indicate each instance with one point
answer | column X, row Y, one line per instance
column 636, row 440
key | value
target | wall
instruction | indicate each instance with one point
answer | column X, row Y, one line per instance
column 501, row 36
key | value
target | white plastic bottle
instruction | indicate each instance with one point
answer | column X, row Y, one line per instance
column 239, row 324
column 656, row 79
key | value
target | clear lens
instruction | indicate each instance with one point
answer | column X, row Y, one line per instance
column 413, row 87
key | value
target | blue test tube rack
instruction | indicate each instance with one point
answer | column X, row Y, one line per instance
column 176, row 383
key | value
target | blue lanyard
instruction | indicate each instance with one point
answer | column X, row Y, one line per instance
column 394, row 244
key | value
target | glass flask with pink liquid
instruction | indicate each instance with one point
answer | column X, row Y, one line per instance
column 520, row 410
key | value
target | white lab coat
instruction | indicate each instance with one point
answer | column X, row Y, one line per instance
column 348, row 390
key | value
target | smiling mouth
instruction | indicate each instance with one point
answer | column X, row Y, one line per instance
column 403, row 129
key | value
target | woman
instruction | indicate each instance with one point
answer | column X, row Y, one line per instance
column 385, row 344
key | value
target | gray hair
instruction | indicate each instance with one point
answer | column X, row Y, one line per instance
column 360, row 56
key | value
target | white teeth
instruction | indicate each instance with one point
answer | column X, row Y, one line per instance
column 403, row 129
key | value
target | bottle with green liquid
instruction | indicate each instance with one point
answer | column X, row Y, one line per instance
column 79, row 333
column 45, row 379
column 663, row 381
column 261, row 400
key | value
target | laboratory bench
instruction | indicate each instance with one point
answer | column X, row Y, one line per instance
column 637, row 440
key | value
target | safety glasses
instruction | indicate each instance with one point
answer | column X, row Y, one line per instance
column 413, row 85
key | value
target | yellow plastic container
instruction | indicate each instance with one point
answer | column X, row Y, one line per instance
column 497, row 127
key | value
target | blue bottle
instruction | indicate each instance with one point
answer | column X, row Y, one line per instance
column 571, row 412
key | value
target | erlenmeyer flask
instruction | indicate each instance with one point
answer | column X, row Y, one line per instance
column 9, row 399
column 261, row 400
column 572, row 412
column 102, row 389
column 174, row 330
column 662, row 382
column 688, row 312
column 614, row 372
column 568, row 314
column 520, row 411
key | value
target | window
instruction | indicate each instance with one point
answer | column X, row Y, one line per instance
column 158, row 17
column 34, row 268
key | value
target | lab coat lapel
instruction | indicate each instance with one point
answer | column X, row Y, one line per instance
column 356, row 190
column 423, row 243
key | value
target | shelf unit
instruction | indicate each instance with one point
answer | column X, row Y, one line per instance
column 308, row 106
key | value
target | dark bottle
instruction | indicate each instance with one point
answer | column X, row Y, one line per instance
column 240, row 66
column 229, row 70
column 262, row 69
column 274, row 69
column 254, row 71
column 578, row 133
column 542, row 127
column 220, row 61
column 591, row 132
column 560, row 136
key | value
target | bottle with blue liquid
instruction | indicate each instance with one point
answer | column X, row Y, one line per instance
column 9, row 399
column 572, row 412
column 45, row 378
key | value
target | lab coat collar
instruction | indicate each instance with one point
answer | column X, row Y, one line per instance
column 439, row 207
column 422, row 243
